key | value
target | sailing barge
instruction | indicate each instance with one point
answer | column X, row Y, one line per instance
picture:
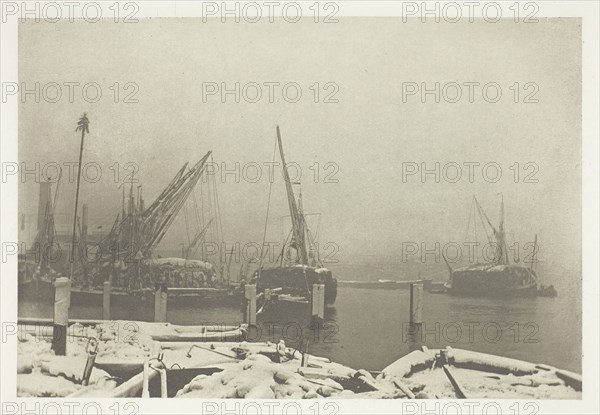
column 125, row 256
column 299, row 264
column 498, row 278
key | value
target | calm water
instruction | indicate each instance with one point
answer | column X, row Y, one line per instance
column 367, row 328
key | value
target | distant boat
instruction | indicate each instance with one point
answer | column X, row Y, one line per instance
column 305, row 269
column 547, row 291
column 386, row 284
column 498, row 278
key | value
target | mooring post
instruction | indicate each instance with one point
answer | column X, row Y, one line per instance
column 164, row 298
column 318, row 305
column 146, row 380
column 157, row 304
column 304, row 361
column 62, row 297
column 106, row 301
column 250, row 294
column 416, row 304
column 160, row 303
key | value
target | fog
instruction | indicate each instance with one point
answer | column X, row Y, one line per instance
column 360, row 145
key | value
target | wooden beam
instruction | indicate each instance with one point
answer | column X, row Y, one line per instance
column 460, row 391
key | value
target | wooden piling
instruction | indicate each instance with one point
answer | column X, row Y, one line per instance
column 304, row 361
column 62, row 297
column 83, row 254
column 318, row 305
column 416, row 304
column 250, row 312
column 163, row 383
column 160, row 303
column 84, row 220
column 106, row 301
column 146, row 380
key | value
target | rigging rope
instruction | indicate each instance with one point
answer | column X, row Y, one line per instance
column 200, row 226
column 187, row 227
column 469, row 221
column 200, row 218
column 209, row 210
column 475, row 231
column 490, row 237
column 285, row 242
column 218, row 215
column 262, row 248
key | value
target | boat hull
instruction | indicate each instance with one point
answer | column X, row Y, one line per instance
column 299, row 280
column 493, row 281
column 468, row 374
column 43, row 291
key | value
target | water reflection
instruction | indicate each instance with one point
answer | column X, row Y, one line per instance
column 367, row 328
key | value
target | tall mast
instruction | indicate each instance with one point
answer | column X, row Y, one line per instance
column 306, row 232
column 294, row 213
column 199, row 236
column 501, row 238
column 502, row 258
column 533, row 258
column 482, row 212
column 501, row 212
column 131, row 223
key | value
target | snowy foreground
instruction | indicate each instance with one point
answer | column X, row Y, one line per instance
column 134, row 359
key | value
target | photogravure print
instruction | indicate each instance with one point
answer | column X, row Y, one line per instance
column 253, row 203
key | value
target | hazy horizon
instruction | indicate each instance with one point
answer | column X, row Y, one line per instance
column 366, row 136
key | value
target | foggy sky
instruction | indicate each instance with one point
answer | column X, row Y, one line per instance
column 368, row 134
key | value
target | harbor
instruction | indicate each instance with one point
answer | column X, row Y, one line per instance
column 224, row 331
column 198, row 357
column 278, row 329
column 265, row 212
column 183, row 368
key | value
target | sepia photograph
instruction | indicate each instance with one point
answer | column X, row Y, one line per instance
column 246, row 202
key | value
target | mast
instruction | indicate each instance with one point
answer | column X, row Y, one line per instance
column 482, row 212
column 174, row 201
column 296, row 217
column 229, row 263
column 501, row 236
column 534, row 253
column 501, row 212
column 132, row 241
column 502, row 257
column 83, row 126
column 146, row 226
column 306, row 232
column 449, row 267
column 199, row 236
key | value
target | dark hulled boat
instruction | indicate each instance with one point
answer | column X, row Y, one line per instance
column 125, row 255
column 299, row 280
column 494, row 281
column 498, row 278
column 303, row 268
